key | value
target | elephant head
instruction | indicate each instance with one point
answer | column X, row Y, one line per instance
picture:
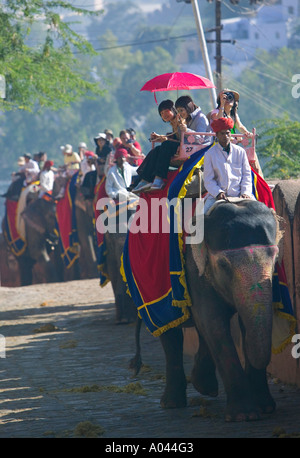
column 241, row 249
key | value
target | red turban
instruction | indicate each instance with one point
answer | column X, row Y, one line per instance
column 121, row 152
column 90, row 154
column 222, row 124
column 48, row 165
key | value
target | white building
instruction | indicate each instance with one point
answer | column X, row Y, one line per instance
column 269, row 28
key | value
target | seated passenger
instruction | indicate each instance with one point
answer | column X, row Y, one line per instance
column 132, row 146
column 194, row 117
column 71, row 160
column 46, row 178
column 227, row 172
column 30, row 169
column 154, row 169
column 119, row 176
column 88, row 163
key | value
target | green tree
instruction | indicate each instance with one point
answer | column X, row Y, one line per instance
column 280, row 145
column 48, row 73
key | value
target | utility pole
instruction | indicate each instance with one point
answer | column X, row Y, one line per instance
column 218, row 46
column 212, row 91
column 213, row 96
column 218, row 28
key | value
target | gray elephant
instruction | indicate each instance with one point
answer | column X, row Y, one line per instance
column 232, row 274
column 114, row 242
column 86, row 265
column 39, row 257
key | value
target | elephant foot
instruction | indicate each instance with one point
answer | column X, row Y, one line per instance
column 173, row 402
column 204, row 378
column 242, row 410
column 174, row 396
column 266, row 404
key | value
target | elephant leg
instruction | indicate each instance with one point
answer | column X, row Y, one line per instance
column 212, row 318
column 25, row 267
column 129, row 311
column 175, row 391
column 258, row 381
column 203, row 375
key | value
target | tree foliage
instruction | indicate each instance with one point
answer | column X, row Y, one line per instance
column 280, row 145
column 47, row 74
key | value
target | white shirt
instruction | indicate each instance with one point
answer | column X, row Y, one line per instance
column 31, row 170
column 229, row 173
column 86, row 167
column 46, row 180
column 115, row 183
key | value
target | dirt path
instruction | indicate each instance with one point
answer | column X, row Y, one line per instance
column 66, row 374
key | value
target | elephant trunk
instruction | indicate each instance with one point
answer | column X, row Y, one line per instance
column 251, row 271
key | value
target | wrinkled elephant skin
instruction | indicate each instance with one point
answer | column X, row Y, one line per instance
column 241, row 251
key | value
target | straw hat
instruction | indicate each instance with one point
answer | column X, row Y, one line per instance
column 235, row 94
column 21, row 161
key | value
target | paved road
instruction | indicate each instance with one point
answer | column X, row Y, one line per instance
column 71, row 378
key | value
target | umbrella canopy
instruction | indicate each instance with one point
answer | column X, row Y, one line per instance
column 177, row 81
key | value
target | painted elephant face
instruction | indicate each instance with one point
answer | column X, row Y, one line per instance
column 243, row 277
column 238, row 271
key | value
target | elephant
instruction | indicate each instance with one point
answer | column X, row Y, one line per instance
column 125, row 308
column 86, row 265
column 41, row 243
column 228, row 275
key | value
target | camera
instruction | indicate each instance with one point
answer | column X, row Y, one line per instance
column 129, row 141
column 229, row 96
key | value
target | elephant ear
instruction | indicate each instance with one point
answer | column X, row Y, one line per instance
column 199, row 255
column 281, row 226
column 33, row 216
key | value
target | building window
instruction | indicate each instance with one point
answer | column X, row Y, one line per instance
column 291, row 10
column 242, row 34
column 256, row 35
column 277, row 35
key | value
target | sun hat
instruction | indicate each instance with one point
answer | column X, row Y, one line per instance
column 67, row 149
column 235, row 94
column 100, row 135
column 109, row 132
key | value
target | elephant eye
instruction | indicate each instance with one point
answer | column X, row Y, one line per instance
column 225, row 266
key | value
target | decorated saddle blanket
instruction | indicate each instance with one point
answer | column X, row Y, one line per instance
column 114, row 210
column 14, row 238
column 153, row 263
column 66, row 225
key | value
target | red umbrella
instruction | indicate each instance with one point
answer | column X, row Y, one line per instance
column 177, row 81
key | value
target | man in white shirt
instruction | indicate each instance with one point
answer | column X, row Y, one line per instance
column 119, row 176
column 88, row 163
column 227, row 172
column 30, row 168
column 46, row 178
